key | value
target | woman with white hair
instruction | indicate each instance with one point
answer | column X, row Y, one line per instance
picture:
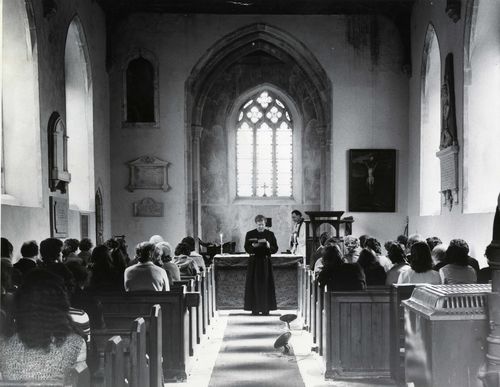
column 163, row 253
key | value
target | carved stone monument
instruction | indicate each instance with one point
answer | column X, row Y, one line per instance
column 148, row 207
column 448, row 147
column 148, row 172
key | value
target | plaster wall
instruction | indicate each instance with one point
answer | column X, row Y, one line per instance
column 19, row 223
column 369, row 110
column 474, row 228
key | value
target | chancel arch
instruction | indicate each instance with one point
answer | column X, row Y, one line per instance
column 481, row 134
column 79, row 118
column 430, row 125
column 20, row 107
column 243, row 62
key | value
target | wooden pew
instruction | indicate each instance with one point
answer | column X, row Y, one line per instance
column 120, row 308
column 356, row 334
column 155, row 347
column 134, row 343
column 114, row 363
column 78, row 376
column 193, row 311
column 399, row 292
column 318, row 340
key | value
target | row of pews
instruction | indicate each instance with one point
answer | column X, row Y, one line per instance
column 363, row 333
column 175, row 324
column 150, row 337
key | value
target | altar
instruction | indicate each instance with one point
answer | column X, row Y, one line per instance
column 230, row 273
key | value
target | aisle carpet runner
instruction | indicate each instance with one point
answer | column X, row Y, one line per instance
column 247, row 356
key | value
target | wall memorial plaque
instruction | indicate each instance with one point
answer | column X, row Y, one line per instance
column 148, row 207
column 148, row 172
column 58, row 217
column 448, row 158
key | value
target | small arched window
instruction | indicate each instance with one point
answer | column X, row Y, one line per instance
column 140, row 90
column 264, row 144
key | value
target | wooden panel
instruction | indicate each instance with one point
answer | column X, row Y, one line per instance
column 121, row 308
column 139, row 359
column 357, row 323
column 114, row 366
column 155, row 347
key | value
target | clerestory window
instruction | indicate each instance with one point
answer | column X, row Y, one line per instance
column 264, row 148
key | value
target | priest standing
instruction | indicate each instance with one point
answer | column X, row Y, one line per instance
column 260, row 243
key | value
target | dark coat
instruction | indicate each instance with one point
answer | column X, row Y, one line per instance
column 259, row 286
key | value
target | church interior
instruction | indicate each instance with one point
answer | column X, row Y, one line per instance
column 130, row 121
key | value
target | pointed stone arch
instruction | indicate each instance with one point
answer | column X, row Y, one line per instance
column 307, row 78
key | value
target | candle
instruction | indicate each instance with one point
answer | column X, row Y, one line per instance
column 221, row 243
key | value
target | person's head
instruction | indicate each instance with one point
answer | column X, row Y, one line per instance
column 332, row 257
column 80, row 274
column 260, row 222
column 86, row 244
column 362, row 240
column 29, row 249
column 6, row 248
column 189, row 241
column 101, row 256
column 387, row 245
column 65, row 274
column 458, row 252
column 156, row 239
column 421, row 260
column 396, row 253
column 112, row 244
column 6, row 274
column 163, row 251
column 50, row 250
column 296, row 216
column 146, row 252
column 461, row 243
column 323, row 238
column 402, row 240
column 438, row 253
column 70, row 246
column 414, row 238
column 433, row 242
column 41, row 310
column 374, row 245
column 351, row 243
column 182, row 249
column 366, row 258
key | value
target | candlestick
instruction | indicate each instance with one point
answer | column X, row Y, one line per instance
column 221, row 244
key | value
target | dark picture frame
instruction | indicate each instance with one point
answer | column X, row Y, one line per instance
column 372, row 180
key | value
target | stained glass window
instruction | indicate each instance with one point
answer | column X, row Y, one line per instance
column 264, row 161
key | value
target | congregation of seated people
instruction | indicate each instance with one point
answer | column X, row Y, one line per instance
column 358, row 263
column 48, row 305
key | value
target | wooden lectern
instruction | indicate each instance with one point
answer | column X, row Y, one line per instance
column 343, row 227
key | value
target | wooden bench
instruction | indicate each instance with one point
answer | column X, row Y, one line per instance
column 121, row 308
column 114, row 363
column 78, row 376
column 142, row 350
column 356, row 333
column 399, row 293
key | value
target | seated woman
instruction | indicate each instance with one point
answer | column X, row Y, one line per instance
column 338, row 275
column 163, row 253
column 457, row 271
column 184, row 262
column 103, row 276
column 421, row 267
column 397, row 256
column 374, row 272
column 45, row 344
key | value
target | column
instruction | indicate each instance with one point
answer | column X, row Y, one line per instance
column 491, row 375
column 197, row 130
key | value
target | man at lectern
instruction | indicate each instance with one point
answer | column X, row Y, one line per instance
column 298, row 237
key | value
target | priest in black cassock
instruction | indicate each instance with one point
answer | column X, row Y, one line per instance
column 260, row 243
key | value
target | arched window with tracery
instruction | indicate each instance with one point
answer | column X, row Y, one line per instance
column 264, row 148
column 430, row 126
